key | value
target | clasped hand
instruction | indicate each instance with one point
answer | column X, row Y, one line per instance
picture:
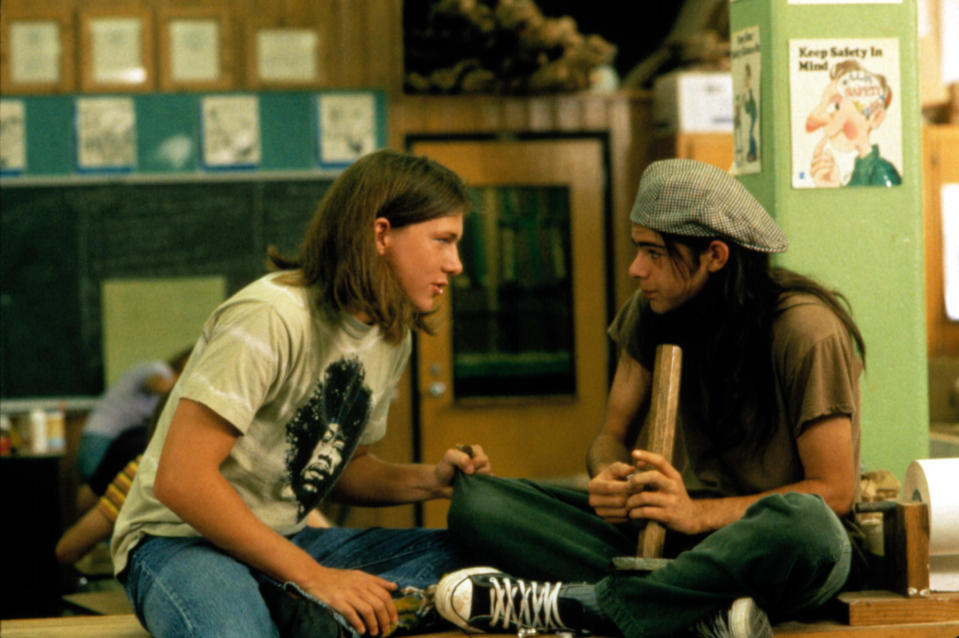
column 650, row 489
column 468, row 458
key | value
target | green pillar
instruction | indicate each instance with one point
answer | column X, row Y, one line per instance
column 818, row 84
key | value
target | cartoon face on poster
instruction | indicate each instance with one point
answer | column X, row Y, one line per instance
column 845, row 112
column 746, row 56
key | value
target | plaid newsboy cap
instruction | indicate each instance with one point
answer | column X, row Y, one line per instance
column 689, row 197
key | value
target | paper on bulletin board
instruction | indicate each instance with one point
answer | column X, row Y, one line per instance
column 106, row 133
column 950, row 248
column 13, row 149
column 346, row 125
column 231, row 131
column 845, row 112
column 746, row 54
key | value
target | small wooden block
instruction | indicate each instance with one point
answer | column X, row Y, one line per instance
column 892, row 608
column 906, row 538
column 826, row 629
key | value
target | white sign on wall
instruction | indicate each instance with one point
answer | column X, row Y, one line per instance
column 950, row 248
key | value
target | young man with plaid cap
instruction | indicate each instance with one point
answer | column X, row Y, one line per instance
column 769, row 418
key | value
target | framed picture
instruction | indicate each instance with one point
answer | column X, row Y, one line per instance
column 116, row 50
column 348, row 126
column 36, row 51
column 196, row 48
column 283, row 57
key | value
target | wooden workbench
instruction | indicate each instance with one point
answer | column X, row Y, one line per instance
column 867, row 615
column 127, row 626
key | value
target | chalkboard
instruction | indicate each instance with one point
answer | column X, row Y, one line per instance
column 60, row 242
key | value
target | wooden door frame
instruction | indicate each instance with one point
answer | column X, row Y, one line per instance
column 586, row 399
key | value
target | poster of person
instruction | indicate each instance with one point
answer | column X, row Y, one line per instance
column 746, row 54
column 845, row 113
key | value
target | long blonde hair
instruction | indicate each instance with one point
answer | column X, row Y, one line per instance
column 338, row 257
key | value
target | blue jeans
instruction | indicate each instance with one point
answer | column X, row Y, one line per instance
column 189, row 587
column 789, row 552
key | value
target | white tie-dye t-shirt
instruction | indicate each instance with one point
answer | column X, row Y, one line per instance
column 303, row 391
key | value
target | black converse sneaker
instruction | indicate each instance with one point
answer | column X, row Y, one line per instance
column 484, row 599
column 743, row 619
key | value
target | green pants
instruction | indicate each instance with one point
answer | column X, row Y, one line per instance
column 789, row 552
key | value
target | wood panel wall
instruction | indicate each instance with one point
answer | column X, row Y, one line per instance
column 360, row 42
column 623, row 119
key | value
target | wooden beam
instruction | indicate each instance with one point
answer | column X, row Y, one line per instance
column 126, row 626
column 906, row 547
column 834, row 630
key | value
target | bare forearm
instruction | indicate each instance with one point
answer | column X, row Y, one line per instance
column 716, row 513
column 370, row 481
column 627, row 398
column 92, row 527
column 605, row 450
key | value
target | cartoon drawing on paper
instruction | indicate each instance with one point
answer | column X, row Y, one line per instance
column 106, row 133
column 846, row 119
column 853, row 105
column 347, row 126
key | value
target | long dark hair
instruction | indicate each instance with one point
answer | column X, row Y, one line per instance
column 726, row 336
column 338, row 256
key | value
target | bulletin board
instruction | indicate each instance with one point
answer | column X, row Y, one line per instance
column 105, row 188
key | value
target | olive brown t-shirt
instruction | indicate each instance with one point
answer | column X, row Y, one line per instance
column 815, row 371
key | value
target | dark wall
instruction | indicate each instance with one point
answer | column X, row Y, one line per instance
column 61, row 242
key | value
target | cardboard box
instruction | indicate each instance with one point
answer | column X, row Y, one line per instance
column 693, row 102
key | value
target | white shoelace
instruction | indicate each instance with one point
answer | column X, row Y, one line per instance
column 714, row 627
column 538, row 607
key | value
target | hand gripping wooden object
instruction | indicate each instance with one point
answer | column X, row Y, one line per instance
column 660, row 428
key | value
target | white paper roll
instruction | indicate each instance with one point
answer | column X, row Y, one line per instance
column 936, row 482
